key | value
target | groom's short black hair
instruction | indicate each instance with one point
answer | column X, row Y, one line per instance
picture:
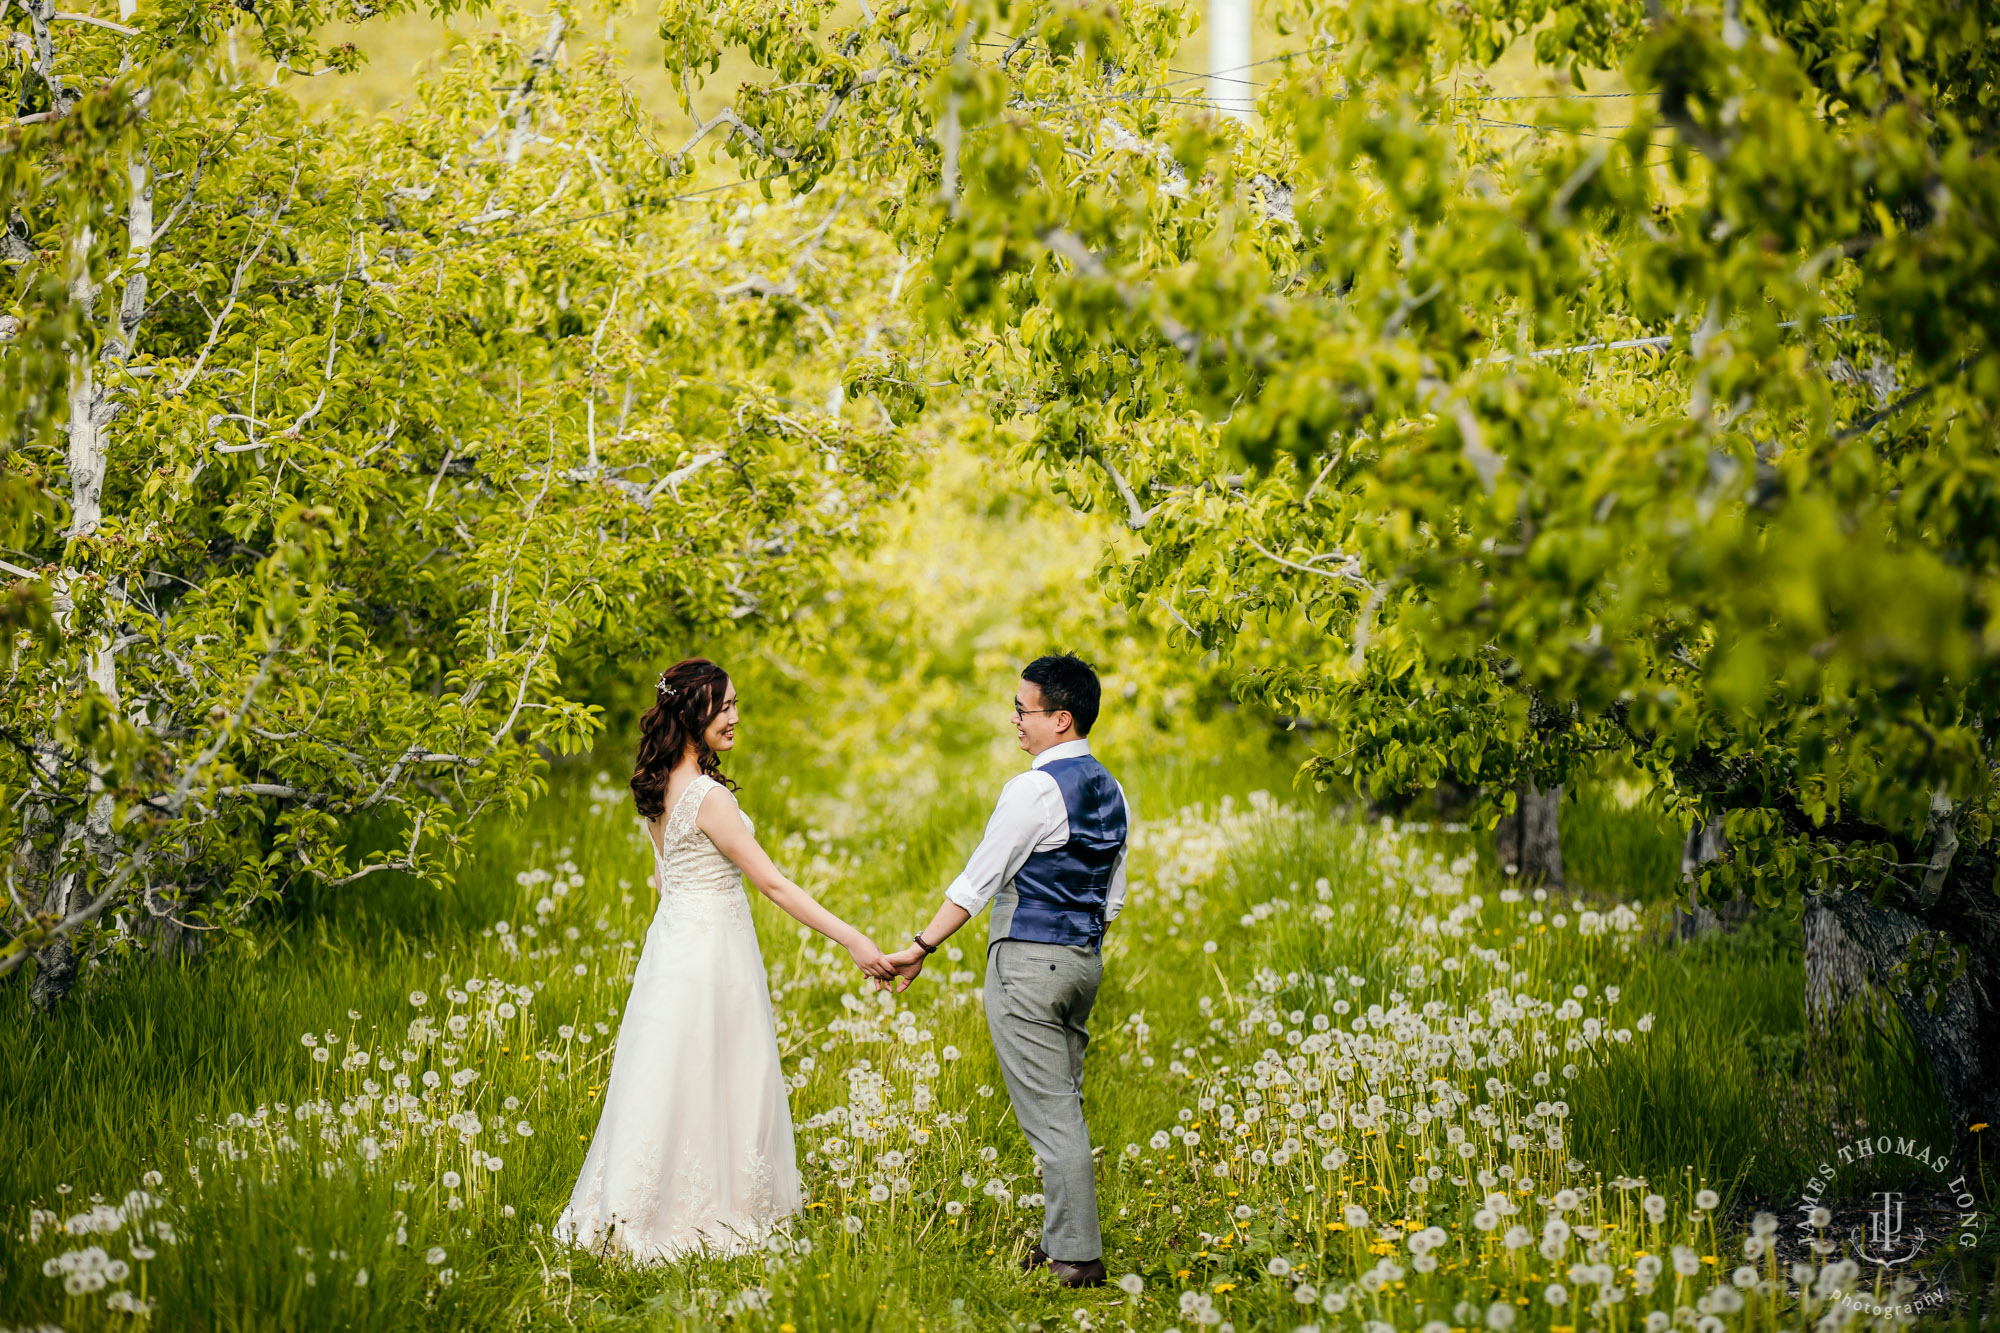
column 1067, row 683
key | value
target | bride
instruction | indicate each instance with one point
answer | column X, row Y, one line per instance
column 694, row 1147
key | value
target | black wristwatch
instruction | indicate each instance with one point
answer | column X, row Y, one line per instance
column 924, row 944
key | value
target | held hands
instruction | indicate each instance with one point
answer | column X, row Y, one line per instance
column 907, row 962
column 871, row 960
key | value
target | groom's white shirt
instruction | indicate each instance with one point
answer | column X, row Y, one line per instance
column 1029, row 817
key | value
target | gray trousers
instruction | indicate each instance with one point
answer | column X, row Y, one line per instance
column 1038, row 998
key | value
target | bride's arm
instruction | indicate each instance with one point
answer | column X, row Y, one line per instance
column 718, row 818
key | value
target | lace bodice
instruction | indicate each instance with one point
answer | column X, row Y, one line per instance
column 697, row 882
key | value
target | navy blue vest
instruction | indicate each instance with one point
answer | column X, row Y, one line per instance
column 1058, row 896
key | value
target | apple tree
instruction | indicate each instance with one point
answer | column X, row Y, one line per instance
column 344, row 455
column 1501, row 430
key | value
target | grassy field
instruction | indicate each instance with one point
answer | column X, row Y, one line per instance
column 1342, row 1074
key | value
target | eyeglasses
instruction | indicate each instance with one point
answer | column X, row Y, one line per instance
column 1020, row 712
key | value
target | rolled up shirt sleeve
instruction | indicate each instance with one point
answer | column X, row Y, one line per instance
column 1019, row 821
column 1114, row 893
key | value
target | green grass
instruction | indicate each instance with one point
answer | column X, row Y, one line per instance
column 1623, row 848
column 143, row 1068
column 134, row 1073
column 1737, row 1088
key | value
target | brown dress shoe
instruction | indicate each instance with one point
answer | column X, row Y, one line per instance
column 1034, row 1259
column 1088, row 1273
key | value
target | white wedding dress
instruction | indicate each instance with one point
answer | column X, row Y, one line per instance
column 694, row 1147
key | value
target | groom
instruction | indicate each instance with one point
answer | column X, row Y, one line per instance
column 1052, row 863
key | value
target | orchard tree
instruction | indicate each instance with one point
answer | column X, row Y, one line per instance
column 343, row 455
column 1505, row 431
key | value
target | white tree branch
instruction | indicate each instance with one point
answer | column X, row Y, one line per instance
column 24, row 945
column 1136, row 518
column 408, row 861
column 1364, row 627
column 727, row 118
column 1348, row 571
column 1313, row 489
column 250, row 256
column 672, row 481
column 96, row 22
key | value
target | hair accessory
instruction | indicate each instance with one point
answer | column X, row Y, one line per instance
column 666, row 691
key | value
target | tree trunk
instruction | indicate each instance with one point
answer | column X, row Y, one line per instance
column 1530, row 839
column 1836, row 971
column 1706, row 842
column 90, row 411
column 55, row 973
column 55, row 963
column 1961, row 1035
column 158, row 921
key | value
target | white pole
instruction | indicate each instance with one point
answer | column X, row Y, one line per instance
column 1229, row 74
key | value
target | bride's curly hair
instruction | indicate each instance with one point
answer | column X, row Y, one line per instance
column 687, row 698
